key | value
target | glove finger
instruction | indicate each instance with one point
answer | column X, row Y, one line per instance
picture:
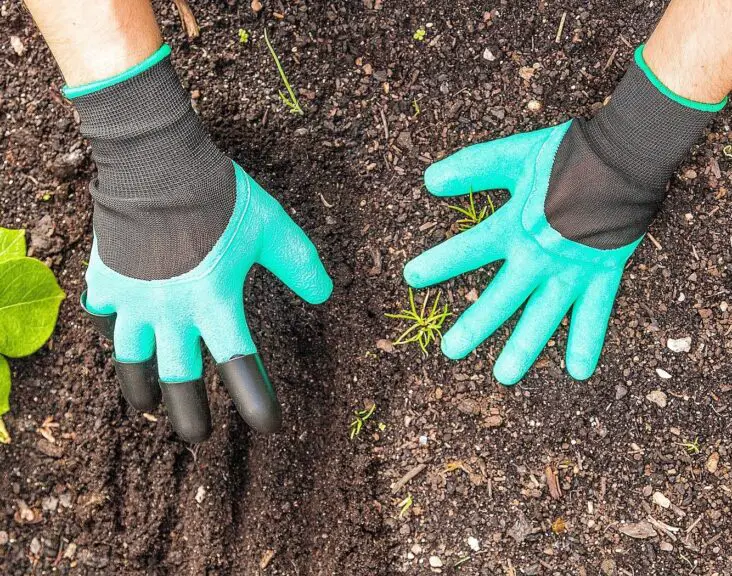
column 104, row 323
column 588, row 324
column 246, row 379
column 462, row 253
column 290, row 255
column 486, row 166
column 180, row 367
column 542, row 314
column 134, row 363
column 504, row 295
column 230, row 343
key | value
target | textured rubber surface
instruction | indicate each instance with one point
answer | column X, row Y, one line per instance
column 248, row 384
column 542, row 271
column 611, row 173
column 164, row 193
column 139, row 383
column 188, row 411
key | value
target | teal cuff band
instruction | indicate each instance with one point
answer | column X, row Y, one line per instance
column 702, row 106
column 72, row 92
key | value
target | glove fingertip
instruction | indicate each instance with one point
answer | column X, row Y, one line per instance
column 439, row 178
column 321, row 292
column 580, row 368
column 412, row 273
column 507, row 372
column 453, row 348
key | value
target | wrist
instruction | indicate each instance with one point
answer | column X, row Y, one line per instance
column 646, row 129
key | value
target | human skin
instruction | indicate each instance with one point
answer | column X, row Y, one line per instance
column 690, row 50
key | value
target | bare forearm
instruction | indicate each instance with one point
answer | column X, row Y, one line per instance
column 691, row 49
column 96, row 39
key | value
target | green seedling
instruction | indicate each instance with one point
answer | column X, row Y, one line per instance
column 419, row 34
column 692, row 447
column 29, row 301
column 426, row 323
column 289, row 99
column 471, row 215
column 415, row 106
column 361, row 417
column 727, row 150
column 243, row 36
column 405, row 505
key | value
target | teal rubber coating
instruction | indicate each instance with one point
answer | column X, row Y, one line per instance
column 542, row 271
column 169, row 318
column 72, row 92
column 666, row 91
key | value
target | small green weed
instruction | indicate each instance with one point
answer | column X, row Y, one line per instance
column 692, row 447
column 471, row 215
column 426, row 323
column 405, row 505
column 415, row 107
column 290, row 100
column 243, row 36
column 361, row 417
column 419, row 34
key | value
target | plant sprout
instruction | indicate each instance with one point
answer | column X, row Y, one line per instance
column 361, row 417
column 405, row 505
column 426, row 323
column 692, row 447
column 471, row 215
column 419, row 34
column 289, row 100
column 415, row 107
column 243, row 36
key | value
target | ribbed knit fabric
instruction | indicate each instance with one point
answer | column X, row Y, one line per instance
column 164, row 193
column 611, row 172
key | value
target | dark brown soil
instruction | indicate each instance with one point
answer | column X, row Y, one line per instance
column 117, row 492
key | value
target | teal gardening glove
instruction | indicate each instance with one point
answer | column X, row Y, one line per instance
column 177, row 226
column 582, row 196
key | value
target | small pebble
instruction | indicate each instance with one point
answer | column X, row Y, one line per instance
column 435, row 562
column 474, row 544
column 200, row 494
column 660, row 499
column 657, row 397
column 662, row 373
column 678, row 345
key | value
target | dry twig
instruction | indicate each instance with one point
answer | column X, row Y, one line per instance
column 187, row 18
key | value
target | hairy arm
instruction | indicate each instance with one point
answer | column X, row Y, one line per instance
column 690, row 50
column 96, row 39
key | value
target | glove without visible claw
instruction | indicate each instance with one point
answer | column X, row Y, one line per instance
column 582, row 196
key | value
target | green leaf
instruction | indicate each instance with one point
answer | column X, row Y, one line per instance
column 12, row 244
column 4, row 398
column 29, row 301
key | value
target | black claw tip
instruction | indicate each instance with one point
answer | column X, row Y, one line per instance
column 247, row 382
column 102, row 322
column 139, row 383
column 187, row 406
